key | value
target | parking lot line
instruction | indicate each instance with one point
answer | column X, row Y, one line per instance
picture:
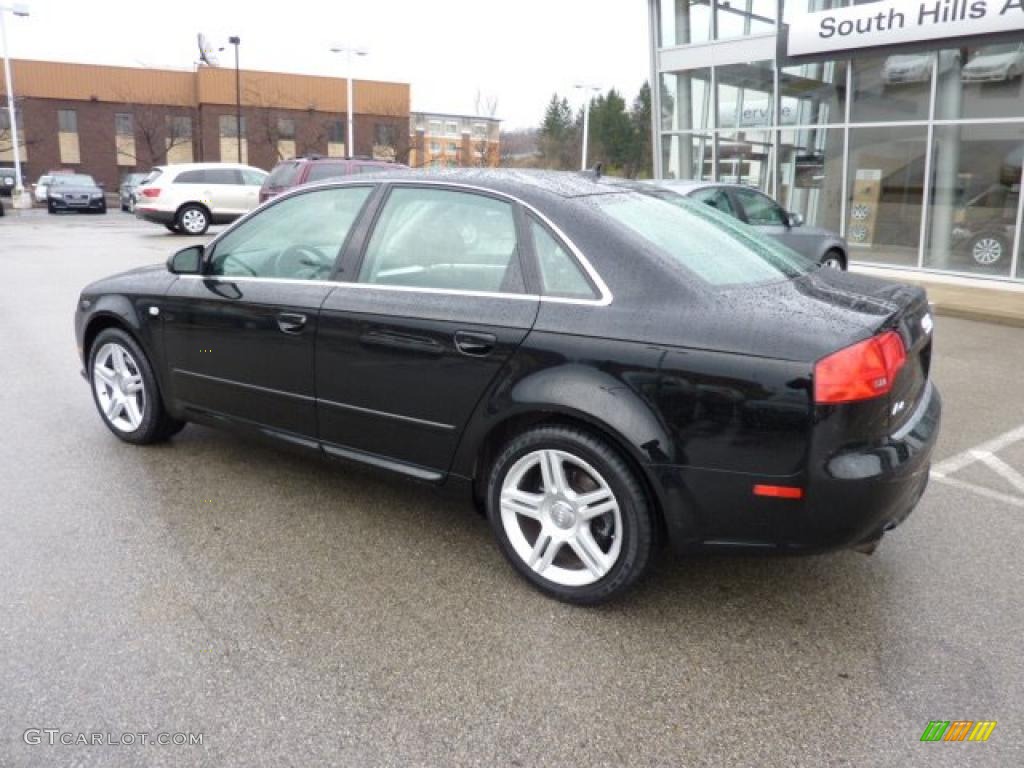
column 986, row 454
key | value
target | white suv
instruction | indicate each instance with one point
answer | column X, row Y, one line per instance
column 189, row 197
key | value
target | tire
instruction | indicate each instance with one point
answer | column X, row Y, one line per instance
column 834, row 259
column 50, row 208
column 548, row 527
column 988, row 250
column 117, row 365
column 193, row 220
column 103, row 210
column 172, row 228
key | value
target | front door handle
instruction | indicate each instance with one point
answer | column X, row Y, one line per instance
column 291, row 322
column 474, row 343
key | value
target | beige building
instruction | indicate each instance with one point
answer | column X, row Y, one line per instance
column 441, row 140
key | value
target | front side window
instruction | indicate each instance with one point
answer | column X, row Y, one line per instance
column 298, row 238
column 716, row 248
column 446, row 240
column 760, row 210
column 560, row 274
column 716, row 197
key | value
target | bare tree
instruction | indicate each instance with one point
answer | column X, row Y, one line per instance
column 486, row 106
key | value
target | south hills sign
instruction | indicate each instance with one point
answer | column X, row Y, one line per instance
column 900, row 22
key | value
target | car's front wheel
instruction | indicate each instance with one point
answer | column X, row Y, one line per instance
column 570, row 514
column 193, row 220
column 50, row 207
column 988, row 250
column 834, row 259
column 125, row 390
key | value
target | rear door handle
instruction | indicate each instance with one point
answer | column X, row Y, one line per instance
column 474, row 343
column 291, row 322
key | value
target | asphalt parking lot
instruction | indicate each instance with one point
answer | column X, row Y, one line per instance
column 298, row 613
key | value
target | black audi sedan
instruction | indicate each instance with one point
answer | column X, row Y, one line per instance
column 599, row 369
column 75, row 192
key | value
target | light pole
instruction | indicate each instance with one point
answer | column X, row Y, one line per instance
column 236, row 41
column 348, row 50
column 18, row 9
column 587, row 89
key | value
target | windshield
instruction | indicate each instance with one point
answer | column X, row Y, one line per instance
column 717, row 248
column 73, row 179
column 990, row 50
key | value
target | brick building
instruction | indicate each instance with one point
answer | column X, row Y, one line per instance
column 443, row 140
column 108, row 121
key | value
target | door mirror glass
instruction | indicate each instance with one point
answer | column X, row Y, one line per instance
column 187, row 261
column 795, row 219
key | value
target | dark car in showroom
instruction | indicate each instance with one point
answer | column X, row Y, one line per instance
column 600, row 370
column 75, row 192
column 757, row 209
column 289, row 174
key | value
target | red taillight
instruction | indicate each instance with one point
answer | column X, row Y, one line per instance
column 779, row 491
column 150, row 192
column 865, row 370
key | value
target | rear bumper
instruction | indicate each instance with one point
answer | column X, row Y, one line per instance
column 153, row 215
column 851, row 497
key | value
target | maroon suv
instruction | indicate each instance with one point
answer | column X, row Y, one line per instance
column 304, row 170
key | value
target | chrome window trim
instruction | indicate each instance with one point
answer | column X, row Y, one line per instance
column 604, row 300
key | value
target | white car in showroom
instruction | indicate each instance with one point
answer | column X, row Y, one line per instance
column 188, row 197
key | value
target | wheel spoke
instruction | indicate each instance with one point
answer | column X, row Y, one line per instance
column 589, row 553
column 522, row 503
column 133, row 412
column 133, row 384
column 553, row 473
column 113, row 409
column 544, row 551
column 108, row 377
column 595, row 503
column 117, row 358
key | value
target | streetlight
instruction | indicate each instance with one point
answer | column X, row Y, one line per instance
column 348, row 50
column 18, row 9
column 236, row 41
column 587, row 89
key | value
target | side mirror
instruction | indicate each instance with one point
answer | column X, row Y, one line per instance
column 187, row 261
column 795, row 219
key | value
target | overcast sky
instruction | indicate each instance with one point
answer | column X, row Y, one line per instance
column 517, row 52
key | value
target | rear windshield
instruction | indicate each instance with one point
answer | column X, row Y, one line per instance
column 321, row 171
column 283, row 175
column 151, row 176
column 715, row 247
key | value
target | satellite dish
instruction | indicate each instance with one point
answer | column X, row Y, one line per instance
column 207, row 52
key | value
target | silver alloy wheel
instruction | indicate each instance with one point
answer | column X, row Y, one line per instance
column 561, row 517
column 987, row 251
column 120, row 390
column 832, row 262
column 193, row 221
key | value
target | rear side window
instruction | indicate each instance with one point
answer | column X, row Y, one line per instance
column 446, row 240
column 284, row 175
column 716, row 248
column 321, row 171
column 560, row 274
column 191, row 177
column 222, row 176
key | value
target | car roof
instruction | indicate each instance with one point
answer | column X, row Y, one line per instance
column 516, row 182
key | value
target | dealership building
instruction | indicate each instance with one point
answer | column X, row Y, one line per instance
column 899, row 123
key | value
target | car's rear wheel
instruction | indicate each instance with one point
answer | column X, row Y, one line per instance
column 193, row 220
column 125, row 390
column 570, row 514
column 834, row 259
column 988, row 250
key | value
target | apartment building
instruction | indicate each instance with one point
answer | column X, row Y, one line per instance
column 441, row 140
